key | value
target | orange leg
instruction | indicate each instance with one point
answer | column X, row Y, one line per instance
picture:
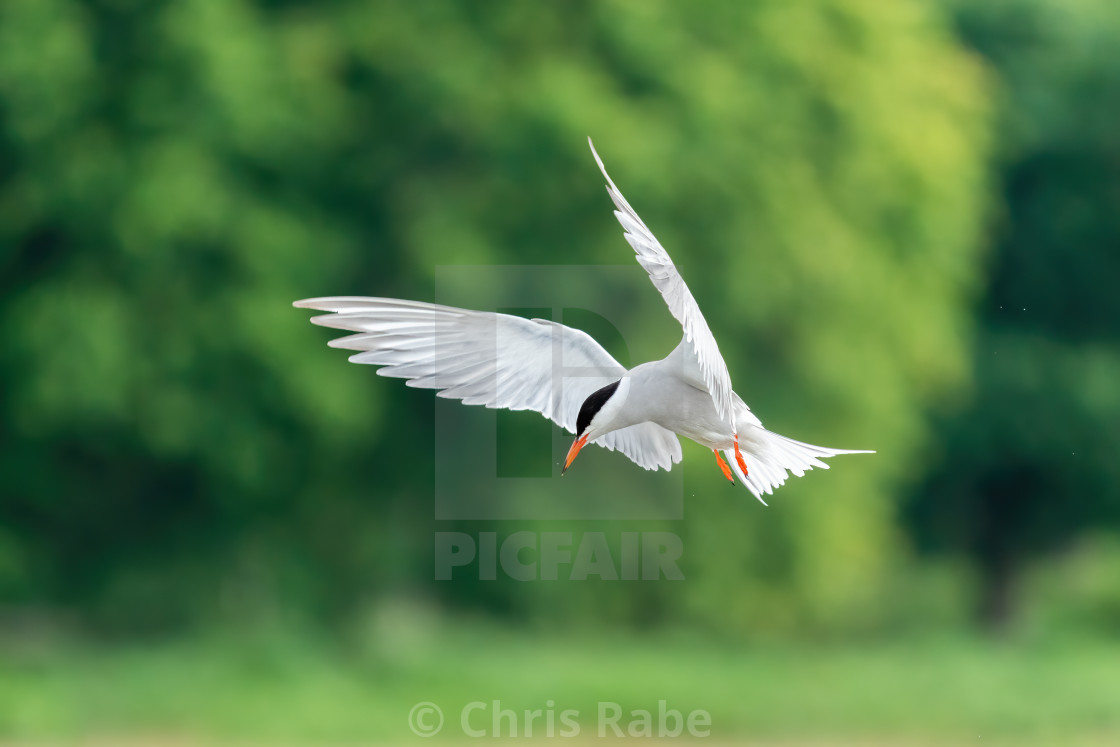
column 723, row 466
column 739, row 457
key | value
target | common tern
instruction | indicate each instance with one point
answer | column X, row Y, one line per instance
column 505, row 361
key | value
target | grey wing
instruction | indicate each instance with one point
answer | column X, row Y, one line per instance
column 495, row 360
column 656, row 261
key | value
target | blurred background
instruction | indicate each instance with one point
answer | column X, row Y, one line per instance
column 902, row 221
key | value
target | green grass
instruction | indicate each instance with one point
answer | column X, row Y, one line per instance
column 288, row 690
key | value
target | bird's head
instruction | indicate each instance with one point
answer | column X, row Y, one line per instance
column 594, row 419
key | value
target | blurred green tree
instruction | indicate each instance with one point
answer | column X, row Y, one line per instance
column 1026, row 463
column 179, row 443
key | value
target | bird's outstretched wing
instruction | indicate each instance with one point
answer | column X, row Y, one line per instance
column 496, row 360
column 653, row 257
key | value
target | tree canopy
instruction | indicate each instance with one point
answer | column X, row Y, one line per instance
column 1025, row 463
column 180, row 443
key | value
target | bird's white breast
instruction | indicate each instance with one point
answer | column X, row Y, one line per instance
column 663, row 392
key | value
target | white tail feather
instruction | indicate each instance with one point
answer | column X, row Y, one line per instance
column 770, row 457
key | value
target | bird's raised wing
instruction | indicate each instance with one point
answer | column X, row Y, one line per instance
column 496, row 360
column 653, row 257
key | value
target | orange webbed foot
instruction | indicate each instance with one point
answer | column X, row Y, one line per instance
column 739, row 457
column 723, row 466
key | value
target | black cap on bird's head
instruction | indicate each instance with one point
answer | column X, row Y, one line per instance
column 587, row 412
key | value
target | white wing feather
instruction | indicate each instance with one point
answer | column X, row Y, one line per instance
column 653, row 257
column 495, row 360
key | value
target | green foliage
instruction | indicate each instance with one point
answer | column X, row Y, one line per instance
column 178, row 441
column 1027, row 463
column 289, row 689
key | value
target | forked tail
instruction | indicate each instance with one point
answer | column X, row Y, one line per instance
column 770, row 457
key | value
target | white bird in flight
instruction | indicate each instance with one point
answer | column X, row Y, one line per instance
column 504, row 361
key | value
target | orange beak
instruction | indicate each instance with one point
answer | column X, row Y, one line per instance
column 576, row 446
